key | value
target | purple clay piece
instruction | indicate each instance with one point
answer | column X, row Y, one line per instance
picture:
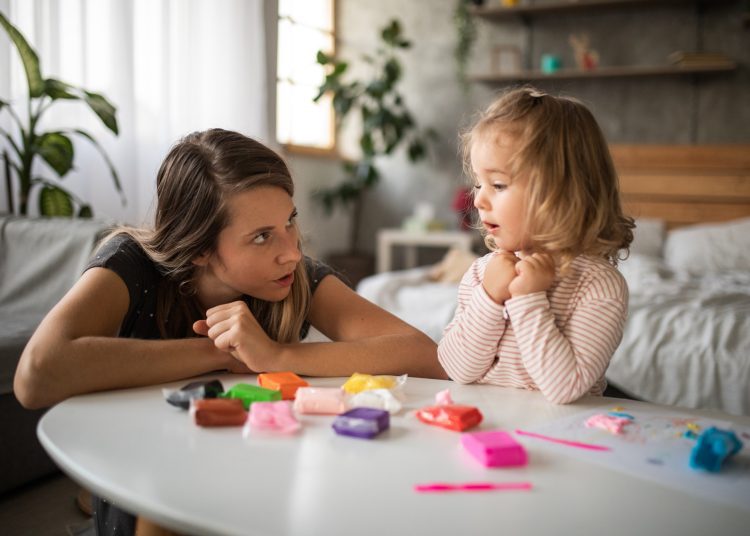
column 364, row 423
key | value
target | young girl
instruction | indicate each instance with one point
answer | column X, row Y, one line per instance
column 218, row 283
column 545, row 309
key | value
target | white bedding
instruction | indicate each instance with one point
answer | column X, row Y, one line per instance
column 686, row 342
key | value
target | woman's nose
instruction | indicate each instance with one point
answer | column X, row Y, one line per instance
column 290, row 250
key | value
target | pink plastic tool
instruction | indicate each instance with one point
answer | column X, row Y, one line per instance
column 441, row 487
column 576, row 444
column 495, row 448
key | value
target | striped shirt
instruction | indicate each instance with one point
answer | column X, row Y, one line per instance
column 558, row 342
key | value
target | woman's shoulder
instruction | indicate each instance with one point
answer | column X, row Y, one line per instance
column 316, row 271
column 123, row 254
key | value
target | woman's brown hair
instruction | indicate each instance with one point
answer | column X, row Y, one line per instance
column 573, row 203
column 193, row 185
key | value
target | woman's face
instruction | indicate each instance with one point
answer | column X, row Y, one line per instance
column 499, row 198
column 256, row 252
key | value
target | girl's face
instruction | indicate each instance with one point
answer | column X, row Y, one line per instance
column 499, row 198
column 256, row 252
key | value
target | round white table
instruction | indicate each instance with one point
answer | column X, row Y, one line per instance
column 149, row 458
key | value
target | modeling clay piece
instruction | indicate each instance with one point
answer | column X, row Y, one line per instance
column 495, row 448
column 251, row 393
column 441, row 487
column 453, row 417
column 714, row 447
column 364, row 423
column 193, row 391
column 320, row 400
column 362, row 382
column 444, row 398
column 609, row 423
column 218, row 412
column 376, row 398
column 286, row 382
column 271, row 416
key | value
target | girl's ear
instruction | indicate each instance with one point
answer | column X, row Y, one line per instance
column 202, row 259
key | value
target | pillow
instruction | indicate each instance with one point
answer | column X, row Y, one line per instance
column 709, row 248
column 453, row 266
column 648, row 237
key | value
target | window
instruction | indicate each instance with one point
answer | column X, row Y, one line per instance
column 305, row 26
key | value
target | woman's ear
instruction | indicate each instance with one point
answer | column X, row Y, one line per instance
column 202, row 259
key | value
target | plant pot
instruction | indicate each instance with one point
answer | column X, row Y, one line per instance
column 352, row 266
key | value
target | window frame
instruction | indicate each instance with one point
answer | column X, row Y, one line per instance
column 310, row 150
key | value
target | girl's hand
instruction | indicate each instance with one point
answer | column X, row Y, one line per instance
column 234, row 329
column 500, row 271
column 536, row 273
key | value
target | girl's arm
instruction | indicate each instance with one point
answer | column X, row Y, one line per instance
column 469, row 344
column 366, row 338
column 76, row 350
column 566, row 364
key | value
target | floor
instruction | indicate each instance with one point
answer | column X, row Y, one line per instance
column 44, row 508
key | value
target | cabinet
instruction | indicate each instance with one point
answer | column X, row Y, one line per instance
column 526, row 12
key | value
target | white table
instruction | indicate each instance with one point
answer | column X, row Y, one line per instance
column 149, row 458
column 411, row 240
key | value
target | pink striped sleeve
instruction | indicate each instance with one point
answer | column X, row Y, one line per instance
column 469, row 345
column 566, row 364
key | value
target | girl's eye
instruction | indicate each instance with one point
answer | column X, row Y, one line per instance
column 499, row 186
column 261, row 238
column 477, row 186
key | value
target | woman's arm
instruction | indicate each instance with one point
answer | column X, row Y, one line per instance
column 366, row 338
column 76, row 350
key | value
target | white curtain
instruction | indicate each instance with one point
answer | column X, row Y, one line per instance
column 169, row 66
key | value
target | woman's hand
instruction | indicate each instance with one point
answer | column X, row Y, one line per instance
column 536, row 273
column 500, row 271
column 234, row 329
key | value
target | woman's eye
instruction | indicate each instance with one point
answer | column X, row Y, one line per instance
column 261, row 238
column 499, row 186
column 477, row 186
column 291, row 219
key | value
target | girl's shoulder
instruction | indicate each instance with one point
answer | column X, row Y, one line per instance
column 316, row 271
column 123, row 255
column 599, row 275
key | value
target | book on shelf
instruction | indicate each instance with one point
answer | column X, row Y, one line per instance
column 699, row 59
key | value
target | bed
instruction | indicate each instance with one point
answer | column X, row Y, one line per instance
column 687, row 338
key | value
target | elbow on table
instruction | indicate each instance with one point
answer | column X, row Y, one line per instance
column 28, row 382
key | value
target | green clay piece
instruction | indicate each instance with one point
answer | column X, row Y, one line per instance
column 251, row 393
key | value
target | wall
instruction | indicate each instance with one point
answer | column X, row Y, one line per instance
column 711, row 109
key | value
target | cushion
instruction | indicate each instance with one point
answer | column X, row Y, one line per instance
column 709, row 248
column 648, row 237
column 453, row 266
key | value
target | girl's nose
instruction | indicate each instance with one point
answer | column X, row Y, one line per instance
column 480, row 199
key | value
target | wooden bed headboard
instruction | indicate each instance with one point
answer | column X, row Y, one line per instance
column 684, row 184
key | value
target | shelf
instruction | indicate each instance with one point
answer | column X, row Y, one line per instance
column 499, row 13
column 605, row 72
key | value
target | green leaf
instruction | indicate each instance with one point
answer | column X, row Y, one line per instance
column 85, row 212
column 29, row 58
column 323, row 58
column 57, row 150
column 416, row 151
column 102, row 108
column 54, row 201
column 102, row 152
column 56, row 89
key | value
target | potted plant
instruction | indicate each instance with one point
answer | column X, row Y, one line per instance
column 386, row 126
column 22, row 150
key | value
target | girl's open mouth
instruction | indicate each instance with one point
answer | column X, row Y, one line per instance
column 285, row 281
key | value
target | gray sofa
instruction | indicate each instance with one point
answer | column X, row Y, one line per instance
column 40, row 259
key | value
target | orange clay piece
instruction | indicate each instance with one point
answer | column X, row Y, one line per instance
column 286, row 382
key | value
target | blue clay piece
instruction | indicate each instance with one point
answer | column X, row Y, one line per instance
column 713, row 448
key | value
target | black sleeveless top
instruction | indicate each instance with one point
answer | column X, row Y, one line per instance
column 126, row 258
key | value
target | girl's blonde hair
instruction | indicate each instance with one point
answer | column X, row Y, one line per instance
column 573, row 204
column 193, row 185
